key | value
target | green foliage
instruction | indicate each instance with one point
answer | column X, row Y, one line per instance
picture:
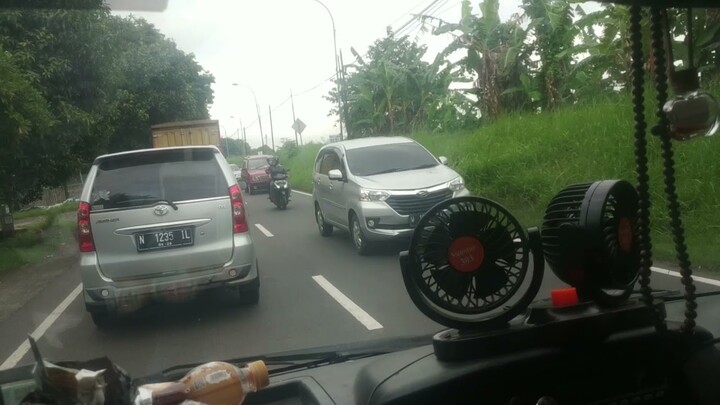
column 393, row 90
column 34, row 244
column 300, row 165
column 235, row 147
column 79, row 82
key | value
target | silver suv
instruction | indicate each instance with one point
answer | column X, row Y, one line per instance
column 162, row 223
column 379, row 188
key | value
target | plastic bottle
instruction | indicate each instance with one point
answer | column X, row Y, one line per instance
column 214, row 383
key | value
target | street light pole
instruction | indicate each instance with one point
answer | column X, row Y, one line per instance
column 257, row 109
column 337, row 66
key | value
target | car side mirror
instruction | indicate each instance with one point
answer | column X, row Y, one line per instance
column 443, row 160
column 335, row 174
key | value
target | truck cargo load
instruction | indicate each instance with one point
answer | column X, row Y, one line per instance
column 186, row 133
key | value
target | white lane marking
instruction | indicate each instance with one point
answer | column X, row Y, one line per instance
column 264, row 230
column 302, row 193
column 676, row 274
column 18, row 354
column 359, row 314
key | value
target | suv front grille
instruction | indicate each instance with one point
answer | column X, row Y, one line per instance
column 416, row 205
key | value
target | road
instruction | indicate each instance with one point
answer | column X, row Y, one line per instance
column 314, row 291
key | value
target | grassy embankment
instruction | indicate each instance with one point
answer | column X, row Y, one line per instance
column 522, row 160
column 36, row 242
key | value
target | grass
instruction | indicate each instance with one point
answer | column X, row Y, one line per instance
column 35, row 243
column 68, row 206
column 300, row 162
column 523, row 160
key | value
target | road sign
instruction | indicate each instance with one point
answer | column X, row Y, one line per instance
column 299, row 126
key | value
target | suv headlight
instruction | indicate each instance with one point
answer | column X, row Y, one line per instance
column 457, row 184
column 373, row 195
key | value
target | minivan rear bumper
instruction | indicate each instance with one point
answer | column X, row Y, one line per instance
column 102, row 293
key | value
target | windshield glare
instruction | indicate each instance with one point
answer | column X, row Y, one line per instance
column 372, row 160
column 257, row 164
column 100, row 108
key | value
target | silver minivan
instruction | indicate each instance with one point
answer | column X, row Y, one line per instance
column 162, row 223
column 379, row 188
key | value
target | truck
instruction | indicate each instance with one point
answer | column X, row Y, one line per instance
column 185, row 133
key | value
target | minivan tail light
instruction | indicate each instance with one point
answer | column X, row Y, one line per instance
column 85, row 237
column 238, row 210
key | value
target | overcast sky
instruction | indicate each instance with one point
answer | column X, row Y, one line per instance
column 278, row 46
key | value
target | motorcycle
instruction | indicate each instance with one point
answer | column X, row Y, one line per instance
column 279, row 190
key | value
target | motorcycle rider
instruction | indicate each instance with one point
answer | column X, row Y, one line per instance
column 275, row 169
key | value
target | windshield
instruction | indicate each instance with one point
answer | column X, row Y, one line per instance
column 132, row 181
column 254, row 164
column 116, row 241
column 380, row 159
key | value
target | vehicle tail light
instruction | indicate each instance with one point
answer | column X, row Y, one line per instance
column 238, row 210
column 85, row 237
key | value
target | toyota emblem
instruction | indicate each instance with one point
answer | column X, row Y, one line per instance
column 161, row 210
column 422, row 193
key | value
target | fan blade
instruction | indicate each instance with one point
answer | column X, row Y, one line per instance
column 498, row 243
column 467, row 223
column 454, row 283
column 489, row 280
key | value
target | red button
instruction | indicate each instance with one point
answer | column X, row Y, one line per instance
column 564, row 296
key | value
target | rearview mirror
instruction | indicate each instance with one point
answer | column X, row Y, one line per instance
column 443, row 160
column 335, row 174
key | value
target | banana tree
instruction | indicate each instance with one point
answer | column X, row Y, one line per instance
column 492, row 54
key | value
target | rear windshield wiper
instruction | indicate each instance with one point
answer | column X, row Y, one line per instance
column 168, row 202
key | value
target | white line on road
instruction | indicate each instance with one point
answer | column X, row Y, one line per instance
column 264, row 230
column 18, row 354
column 359, row 314
column 302, row 193
column 676, row 274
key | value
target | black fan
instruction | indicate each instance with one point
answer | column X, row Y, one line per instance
column 468, row 257
column 589, row 236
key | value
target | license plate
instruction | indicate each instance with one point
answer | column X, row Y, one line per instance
column 164, row 239
column 413, row 219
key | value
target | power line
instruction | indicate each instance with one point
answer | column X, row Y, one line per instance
column 433, row 7
column 415, row 22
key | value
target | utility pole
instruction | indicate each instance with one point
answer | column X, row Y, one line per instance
column 343, row 96
column 244, row 141
column 272, row 133
column 292, row 103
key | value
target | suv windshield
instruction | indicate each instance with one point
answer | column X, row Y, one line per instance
column 137, row 180
column 380, row 159
column 257, row 163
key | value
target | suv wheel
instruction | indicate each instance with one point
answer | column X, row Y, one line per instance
column 324, row 228
column 362, row 246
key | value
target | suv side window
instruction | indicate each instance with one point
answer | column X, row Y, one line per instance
column 330, row 161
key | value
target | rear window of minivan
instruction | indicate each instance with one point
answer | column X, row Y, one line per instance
column 142, row 179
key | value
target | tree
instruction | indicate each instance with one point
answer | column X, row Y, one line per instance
column 393, row 90
column 82, row 83
column 154, row 83
column 495, row 57
column 24, row 117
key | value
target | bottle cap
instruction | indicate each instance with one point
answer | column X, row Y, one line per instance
column 260, row 374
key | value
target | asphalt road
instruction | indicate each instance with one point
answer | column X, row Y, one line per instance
column 314, row 291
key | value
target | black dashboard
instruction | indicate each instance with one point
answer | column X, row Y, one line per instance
column 633, row 367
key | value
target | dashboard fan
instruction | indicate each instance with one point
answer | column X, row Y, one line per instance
column 468, row 257
column 589, row 237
